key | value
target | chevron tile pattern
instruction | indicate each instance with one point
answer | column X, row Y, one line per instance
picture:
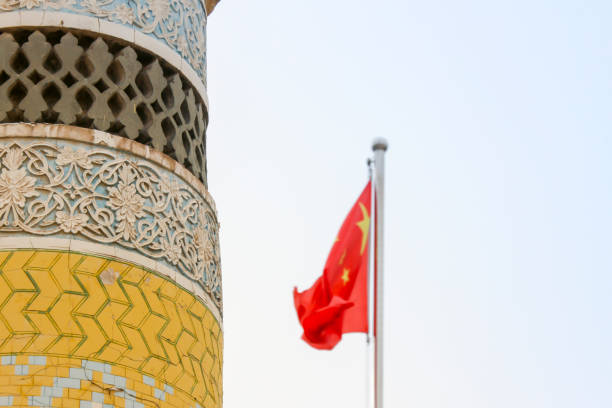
column 84, row 309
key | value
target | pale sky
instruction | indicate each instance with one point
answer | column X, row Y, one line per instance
column 499, row 250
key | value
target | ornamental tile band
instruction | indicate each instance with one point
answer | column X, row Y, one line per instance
column 54, row 188
column 179, row 24
column 69, row 335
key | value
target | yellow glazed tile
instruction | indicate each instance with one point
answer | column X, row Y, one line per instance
column 134, row 275
column 42, row 259
column 95, row 339
column 139, row 320
column 63, row 275
column 91, row 265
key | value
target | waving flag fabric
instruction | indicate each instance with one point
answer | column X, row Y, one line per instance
column 337, row 302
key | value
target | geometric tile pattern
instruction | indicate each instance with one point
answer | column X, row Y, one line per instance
column 47, row 381
column 66, row 316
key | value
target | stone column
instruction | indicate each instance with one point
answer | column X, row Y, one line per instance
column 110, row 274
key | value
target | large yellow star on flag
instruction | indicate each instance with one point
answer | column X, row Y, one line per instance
column 364, row 226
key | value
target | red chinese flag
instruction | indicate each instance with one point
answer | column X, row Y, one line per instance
column 337, row 303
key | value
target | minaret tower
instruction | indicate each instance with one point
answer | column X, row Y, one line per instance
column 110, row 274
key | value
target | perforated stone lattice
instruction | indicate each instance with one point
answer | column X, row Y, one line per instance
column 73, row 79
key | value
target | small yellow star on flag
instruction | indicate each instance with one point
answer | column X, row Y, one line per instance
column 345, row 275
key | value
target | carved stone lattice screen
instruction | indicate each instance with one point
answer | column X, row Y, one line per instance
column 100, row 84
column 110, row 267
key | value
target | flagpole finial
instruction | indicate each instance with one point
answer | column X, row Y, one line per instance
column 380, row 143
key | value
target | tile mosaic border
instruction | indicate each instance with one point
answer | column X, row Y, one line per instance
column 77, row 246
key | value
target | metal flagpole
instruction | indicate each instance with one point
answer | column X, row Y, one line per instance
column 369, row 354
column 379, row 146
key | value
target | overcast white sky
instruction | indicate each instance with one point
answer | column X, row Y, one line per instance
column 498, row 267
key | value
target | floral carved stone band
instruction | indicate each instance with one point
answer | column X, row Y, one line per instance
column 54, row 187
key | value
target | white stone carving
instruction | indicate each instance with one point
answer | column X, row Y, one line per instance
column 53, row 188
